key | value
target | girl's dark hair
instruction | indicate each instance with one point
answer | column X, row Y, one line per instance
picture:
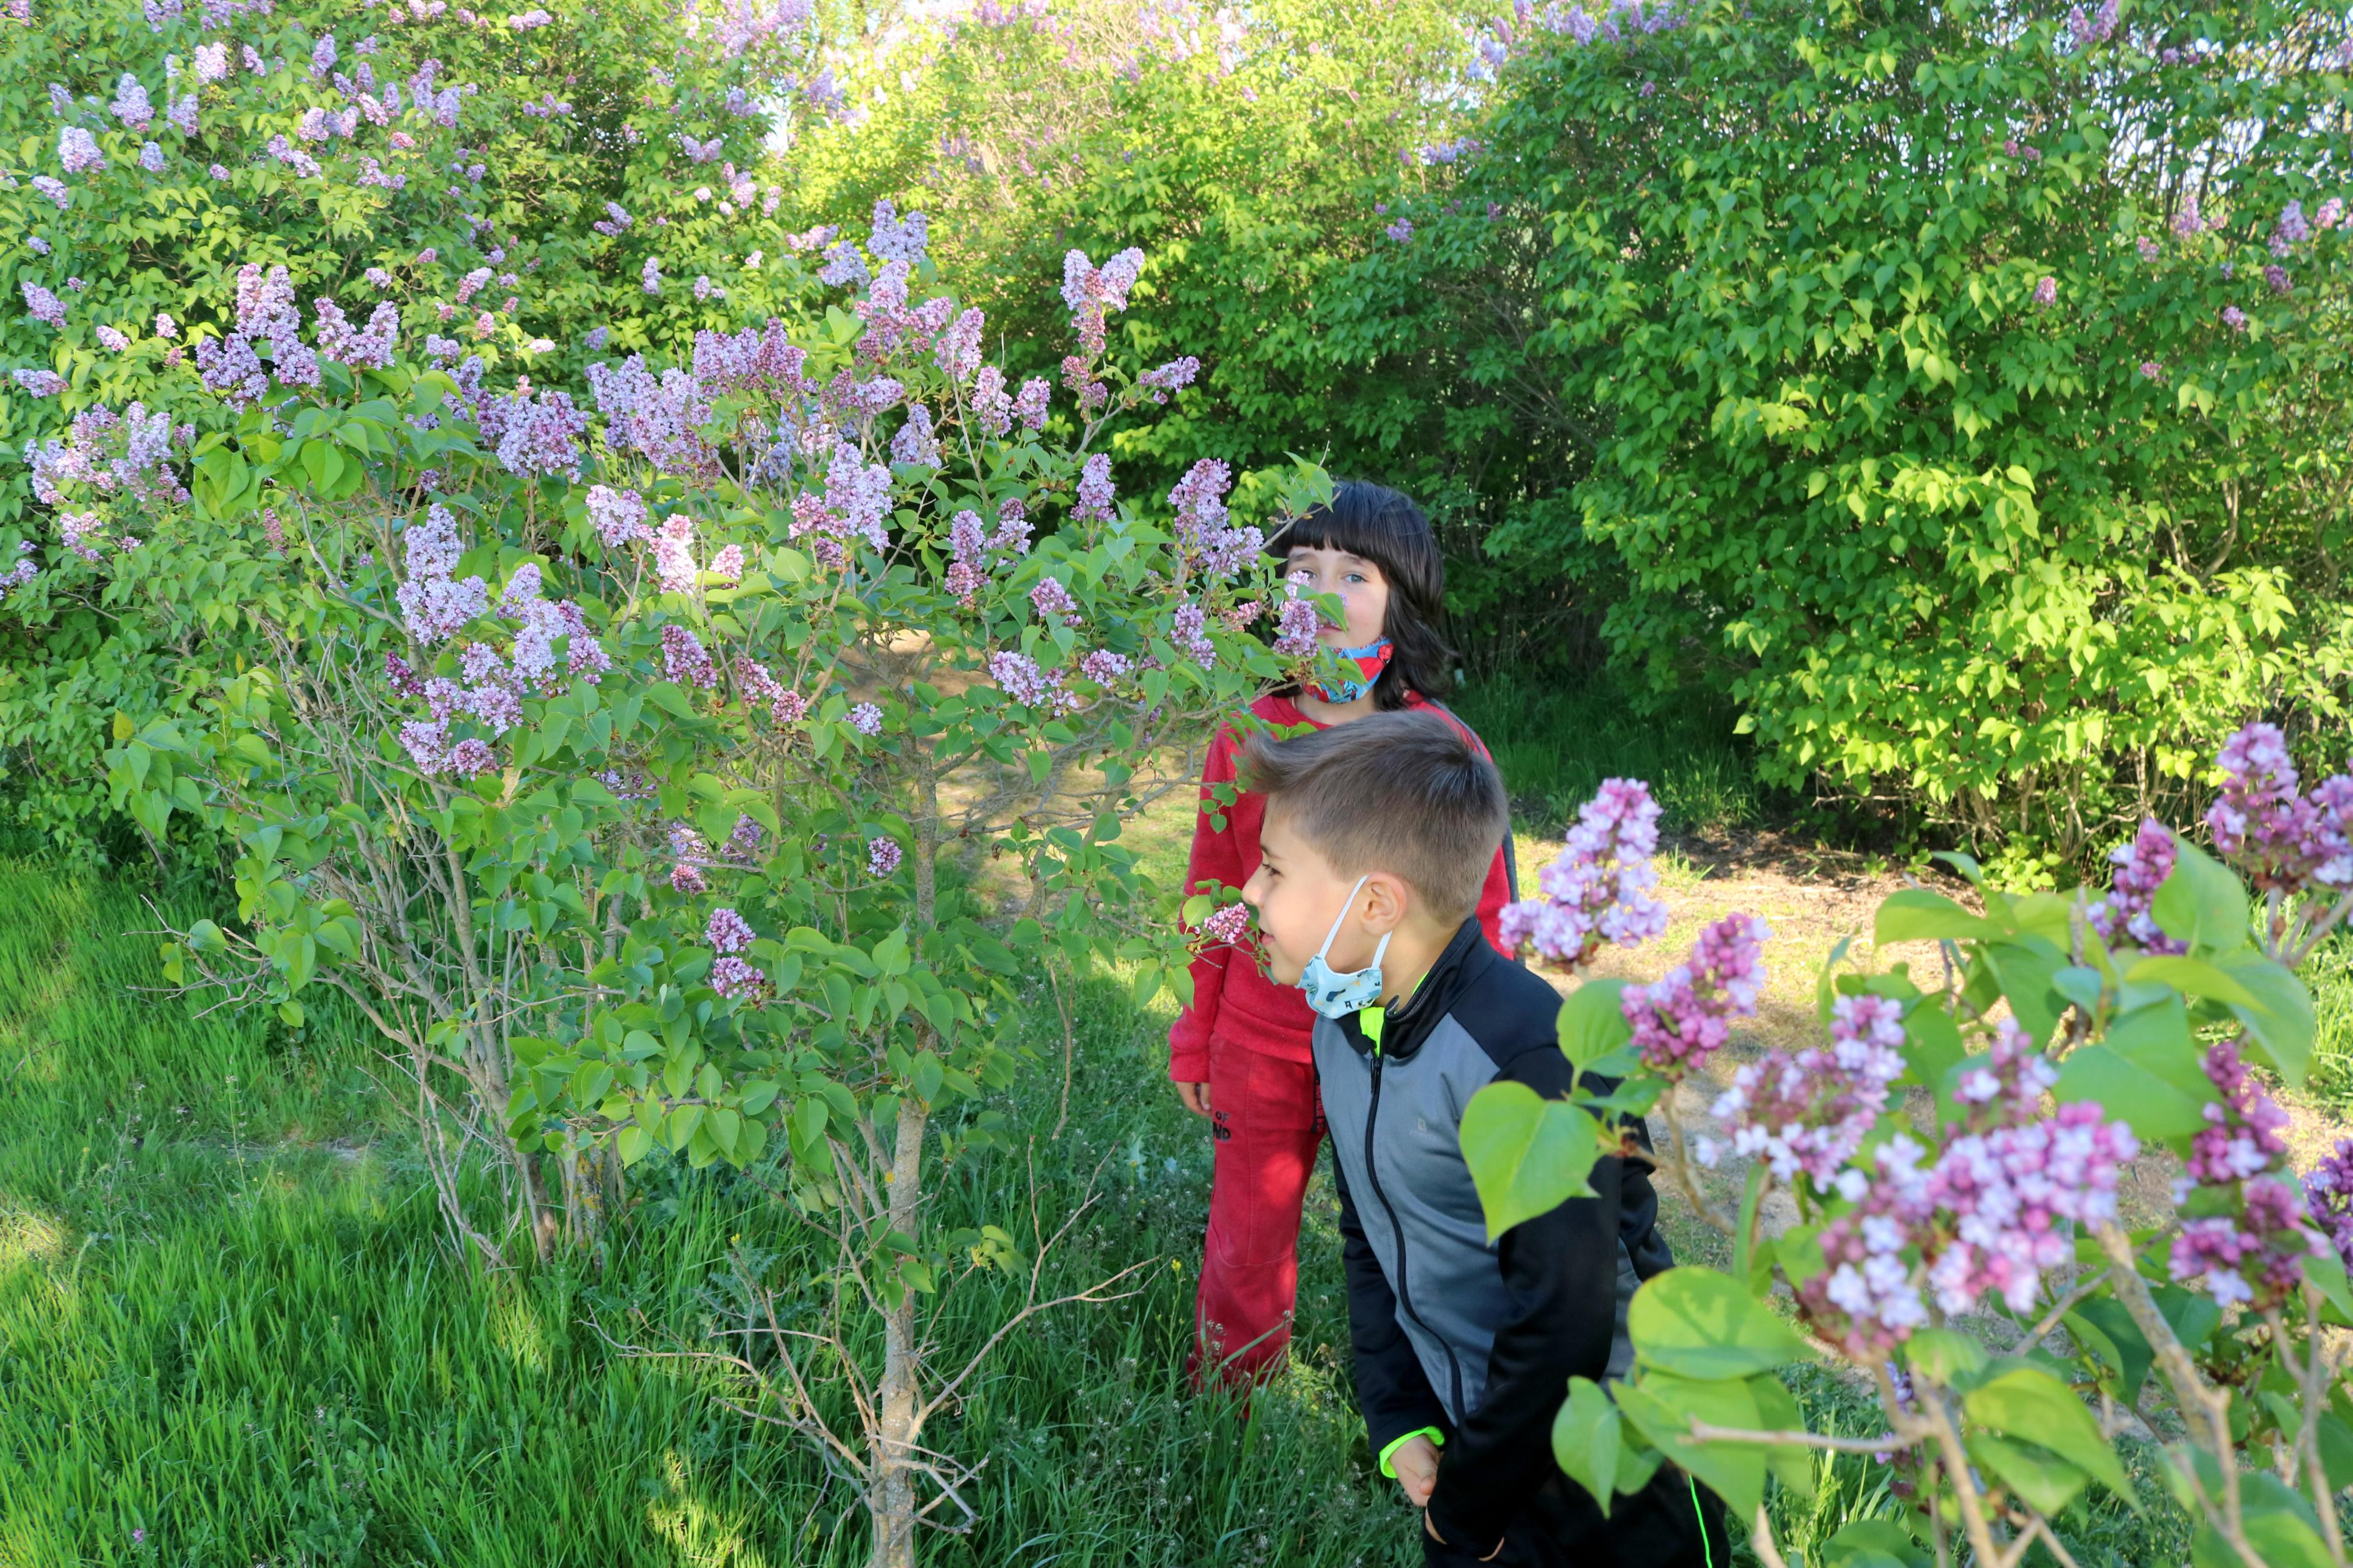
column 1386, row 528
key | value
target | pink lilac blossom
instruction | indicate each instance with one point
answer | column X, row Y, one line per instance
column 341, row 344
column 866, row 719
column 40, row 383
column 1018, row 677
column 2046, row 292
column 2277, row 277
column 991, row 405
column 2187, row 223
column 150, row 157
column 132, row 105
column 1601, row 888
column 1174, row 376
column 111, row 339
column 1102, row 667
column 1228, row 925
column 728, row 565
column 883, row 857
column 2253, row 1255
column 2015, row 1194
column 535, row 433
column 854, row 505
column 1807, row 1113
column 2292, row 230
column 2142, row 866
column 1683, row 1018
column 2094, row 26
column 674, row 554
column 2234, row 318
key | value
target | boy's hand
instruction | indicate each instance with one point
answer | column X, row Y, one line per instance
column 1195, row 1097
column 1416, row 1464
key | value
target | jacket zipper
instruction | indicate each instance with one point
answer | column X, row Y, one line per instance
column 1405, row 1295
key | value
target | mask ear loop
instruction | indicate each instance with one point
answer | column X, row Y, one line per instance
column 1333, row 934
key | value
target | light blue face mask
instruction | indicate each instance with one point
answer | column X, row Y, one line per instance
column 1332, row 993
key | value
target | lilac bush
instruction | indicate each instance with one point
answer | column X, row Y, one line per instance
column 1952, row 1158
column 632, row 769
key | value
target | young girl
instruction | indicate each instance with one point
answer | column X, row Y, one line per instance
column 1240, row 1054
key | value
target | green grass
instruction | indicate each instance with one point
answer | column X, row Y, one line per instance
column 1557, row 739
column 229, row 1320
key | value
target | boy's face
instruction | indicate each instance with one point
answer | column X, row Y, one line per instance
column 1298, row 895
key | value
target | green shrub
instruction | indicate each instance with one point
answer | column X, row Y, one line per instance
column 1965, row 394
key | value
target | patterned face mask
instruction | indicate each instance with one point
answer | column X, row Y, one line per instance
column 1332, row 993
column 1369, row 661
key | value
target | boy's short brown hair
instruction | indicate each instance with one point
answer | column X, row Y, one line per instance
column 1406, row 792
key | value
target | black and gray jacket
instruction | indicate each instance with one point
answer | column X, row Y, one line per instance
column 1477, row 1341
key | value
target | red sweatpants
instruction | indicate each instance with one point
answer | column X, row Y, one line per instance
column 1268, row 1121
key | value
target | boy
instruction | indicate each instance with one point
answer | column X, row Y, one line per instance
column 1376, row 837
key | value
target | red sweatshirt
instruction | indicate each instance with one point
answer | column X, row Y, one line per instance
column 1231, row 1000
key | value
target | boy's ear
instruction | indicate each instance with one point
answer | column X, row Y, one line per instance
column 1389, row 901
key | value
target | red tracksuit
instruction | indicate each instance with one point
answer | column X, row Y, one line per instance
column 1247, row 1038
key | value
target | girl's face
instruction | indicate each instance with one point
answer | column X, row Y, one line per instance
column 1364, row 593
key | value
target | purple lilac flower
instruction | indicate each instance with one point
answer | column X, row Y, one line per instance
column 883, row 857
column 866, row 719
column 1401, row 231
column 2277, row 277
column 1029, row 405
column 2046, row 292
column 40, row 383
column 1092, row 292
column 43, row 305
column 1599, row 889
column 2151, row 370
column 1094, row 493
column 684, row 658
column 132, row 105
column 1188, row 629
column 650, row 275
column 915, row 442
column 2142, row 866
column 728, row 931
column 737, row 980
column 2234, row 318
column 1102, row 667
column 1018, row 677
column 743, row 845
column 111, row 339
column 2292, row 230
column 1685, row 1018
column 1296, row 627
column 2285, row 842
column 1053, row 602
column 1177, row 375
column 2328, row 1198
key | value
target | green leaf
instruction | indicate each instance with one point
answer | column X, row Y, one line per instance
column 1917, row 914
column 1931, row 1043
column 2155, row 1110
column 2192, row 1315
column 2281, row 1021
column 1872, row 1543
column 1696, row 1322
column 631, row 1143
column 1585, row 1440
column 1527, row 1154
column 2027, row 968
column 2030, row 1404
column 2200, row 901
column 1791, row 1464
column 1946, row 1356
column 1663, row 1407
column 1592, row 1024
column 2336, row 1451
column 2046, row 1482
column 2327, row 1272
column 2104, row 1327
column 2191, row 977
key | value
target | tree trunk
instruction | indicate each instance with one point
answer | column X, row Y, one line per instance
column 891, row 1492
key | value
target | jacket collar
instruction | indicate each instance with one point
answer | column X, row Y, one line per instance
column 1409, row 1023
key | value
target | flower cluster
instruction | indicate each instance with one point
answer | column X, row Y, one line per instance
column 1599, row 889
column 2247, row 1241
column 883, row 857
column 1212, row 545
column 124, row 457
column 1685, row 1018
column 1807, row 1113
column 2286, row 841
column 435, row 604
column 1228, row 925
column 2328, row 1198
column 2142, row 866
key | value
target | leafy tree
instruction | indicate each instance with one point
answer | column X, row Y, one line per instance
column 1965, row 390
